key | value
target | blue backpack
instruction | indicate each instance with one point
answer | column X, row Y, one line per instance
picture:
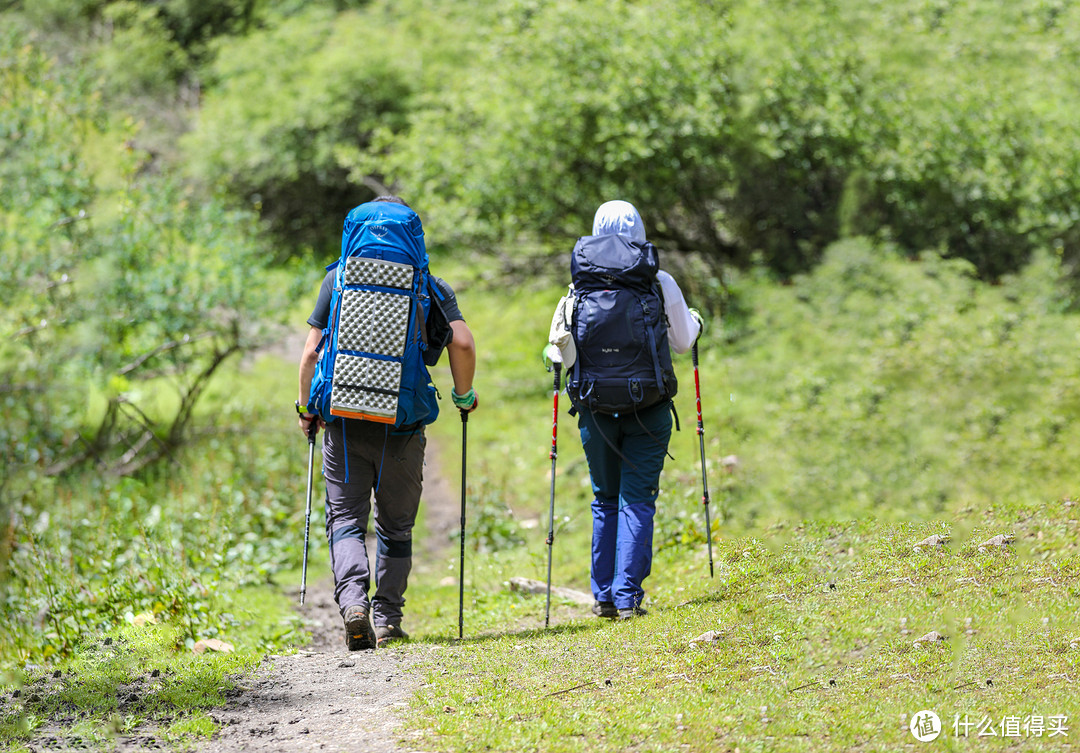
column 619, row 327
column 375, row 350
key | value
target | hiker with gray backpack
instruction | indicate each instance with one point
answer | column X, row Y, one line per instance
column 380, row 320
column 614, row 332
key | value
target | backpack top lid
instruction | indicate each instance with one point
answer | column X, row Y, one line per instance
column 606, row 261
column 384, row 229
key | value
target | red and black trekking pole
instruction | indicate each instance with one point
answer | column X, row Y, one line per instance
column 313, row 429
column 701, row 442
column 551, row 509
column 461, row 578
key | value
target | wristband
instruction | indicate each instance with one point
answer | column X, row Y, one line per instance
column 463, row 401
column 302, row 410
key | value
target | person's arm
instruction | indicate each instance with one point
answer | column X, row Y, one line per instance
column 308, row 360
column 462, row 354
column 683, row 327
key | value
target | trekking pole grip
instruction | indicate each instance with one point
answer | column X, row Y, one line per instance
column 555, row 417
column 697, row 392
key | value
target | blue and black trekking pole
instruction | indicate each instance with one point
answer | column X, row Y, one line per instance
column 313, row 429
column 551, row 509
column 461, row 578
column 701, row 442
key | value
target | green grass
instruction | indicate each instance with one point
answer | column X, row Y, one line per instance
column 814, row 631
column 129, row 679
column 870, row 404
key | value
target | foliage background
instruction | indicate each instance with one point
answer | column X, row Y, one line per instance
column 876, row 203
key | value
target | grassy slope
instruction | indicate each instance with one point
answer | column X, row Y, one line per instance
column 870, row 405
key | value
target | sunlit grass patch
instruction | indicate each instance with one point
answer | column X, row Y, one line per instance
column 122, row 683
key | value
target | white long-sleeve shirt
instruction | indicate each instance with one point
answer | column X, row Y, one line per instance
column 683, row 328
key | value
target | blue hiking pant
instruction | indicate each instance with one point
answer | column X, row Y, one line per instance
column 626, row 455
column 362, row 459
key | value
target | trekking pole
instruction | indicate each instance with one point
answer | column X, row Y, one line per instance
column 701, row 442
column 313, row 429
column 551, row 508
column 461, row 578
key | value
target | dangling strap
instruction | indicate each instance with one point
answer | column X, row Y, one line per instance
column 345, row 447
column 610, row 444
column 655, row 357
column 382, row 458
column 653, row 438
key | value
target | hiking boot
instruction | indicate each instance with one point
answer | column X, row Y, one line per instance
column 358, row 635
column 605, row 609
column 384, row 634
column 631, row 612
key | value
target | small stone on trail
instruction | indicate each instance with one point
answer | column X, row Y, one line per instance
column 346, row 664
column 1001, row 541
column 932, row 637
column 528, row 585
column 212, row 644
column 710, row 636
column 936, row 541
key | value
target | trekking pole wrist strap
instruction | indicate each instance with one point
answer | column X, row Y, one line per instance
column 463, row 401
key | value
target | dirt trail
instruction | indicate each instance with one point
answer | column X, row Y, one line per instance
column 326, row 698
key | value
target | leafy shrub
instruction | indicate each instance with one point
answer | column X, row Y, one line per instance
column 121, row 305
column 281, row 106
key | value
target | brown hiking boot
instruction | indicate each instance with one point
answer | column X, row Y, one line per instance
column 384, row 634
column 358, row 635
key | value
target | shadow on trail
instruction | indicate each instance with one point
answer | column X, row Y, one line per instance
column 524, row 634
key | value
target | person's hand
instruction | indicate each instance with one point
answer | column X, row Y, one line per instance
column 305, row 422
column 551, row 355
column 466, row 403
column 701, row 322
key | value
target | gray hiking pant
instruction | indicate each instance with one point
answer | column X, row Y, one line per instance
column 361, row 458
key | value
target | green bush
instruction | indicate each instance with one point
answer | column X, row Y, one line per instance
column 283, row 103
column 122, row 300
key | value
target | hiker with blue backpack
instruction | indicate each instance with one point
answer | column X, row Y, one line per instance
column 614, row 332
column 380, row 320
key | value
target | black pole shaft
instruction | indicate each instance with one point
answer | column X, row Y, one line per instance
column 461, row 577
column 551, row 507
column 313, row 429
column 701, row 444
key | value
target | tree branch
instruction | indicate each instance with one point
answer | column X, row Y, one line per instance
column 163, row 348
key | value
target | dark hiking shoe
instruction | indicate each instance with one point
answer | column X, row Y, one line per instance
column 358, row 635
column 384, row 634
column 632, row 612
column 605, row 609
